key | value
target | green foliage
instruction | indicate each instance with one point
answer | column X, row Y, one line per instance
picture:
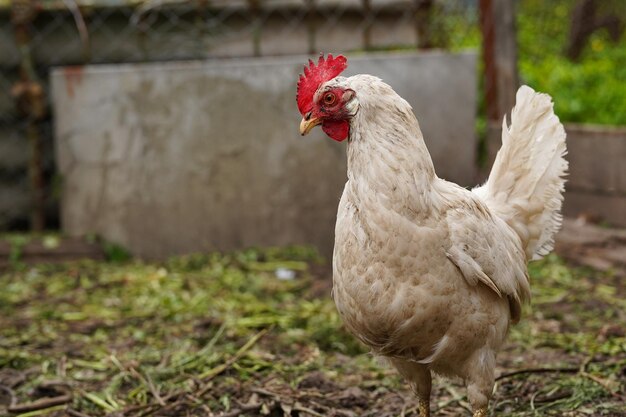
column 17, row 242
column 115, row 253
column 590, row 91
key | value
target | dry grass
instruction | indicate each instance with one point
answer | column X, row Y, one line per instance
column 221, row 335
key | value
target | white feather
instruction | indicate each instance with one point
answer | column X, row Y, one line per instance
column 525, row 186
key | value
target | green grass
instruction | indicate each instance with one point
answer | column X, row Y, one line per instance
column 210, row 333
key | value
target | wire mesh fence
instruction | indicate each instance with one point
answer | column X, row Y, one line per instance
column 121, row 31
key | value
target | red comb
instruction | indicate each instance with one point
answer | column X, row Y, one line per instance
column 314, row 76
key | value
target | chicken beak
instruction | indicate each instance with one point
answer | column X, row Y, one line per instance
column 307, row 125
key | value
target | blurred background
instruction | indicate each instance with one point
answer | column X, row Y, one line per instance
column 159, row 140
column 571, row 49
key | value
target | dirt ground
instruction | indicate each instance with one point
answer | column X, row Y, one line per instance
column 255, row 333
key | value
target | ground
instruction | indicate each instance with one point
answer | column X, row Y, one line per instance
column 256, row 333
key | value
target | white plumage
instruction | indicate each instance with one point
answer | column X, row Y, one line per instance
column 427, row 273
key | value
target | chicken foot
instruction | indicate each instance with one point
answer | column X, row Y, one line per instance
column 423, row 406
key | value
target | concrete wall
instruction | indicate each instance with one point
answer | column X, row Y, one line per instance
column 596, row 186
column 183, row 157
column 194, row 30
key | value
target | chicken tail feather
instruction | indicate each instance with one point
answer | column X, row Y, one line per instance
column 525, row 186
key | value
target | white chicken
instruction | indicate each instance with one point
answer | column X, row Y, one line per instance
column 426, row 273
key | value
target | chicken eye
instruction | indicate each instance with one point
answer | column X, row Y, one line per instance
column 329, row 98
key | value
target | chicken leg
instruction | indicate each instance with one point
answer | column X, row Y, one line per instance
column 420, row 380
column 481, row 380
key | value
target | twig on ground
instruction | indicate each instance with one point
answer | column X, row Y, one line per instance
column 554, row 397
column 414, row 410
column 604, row 384
column 147, row 381
column 75, row 413
column 199, row 402
column 538, row 371
column 244, row 408
column 458, row 398
column 41, row 403
column 532, row 400
column 212, row 373
column 265, row 392
column 307, row 410
column 277, row 397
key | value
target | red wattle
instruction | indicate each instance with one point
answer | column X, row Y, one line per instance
column 337, row 129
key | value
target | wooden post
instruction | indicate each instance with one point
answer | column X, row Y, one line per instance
column 30, row 99
column 257, row 26
column 497, row 20
column 311, row 26
column 423, row 23
column 367, row 27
